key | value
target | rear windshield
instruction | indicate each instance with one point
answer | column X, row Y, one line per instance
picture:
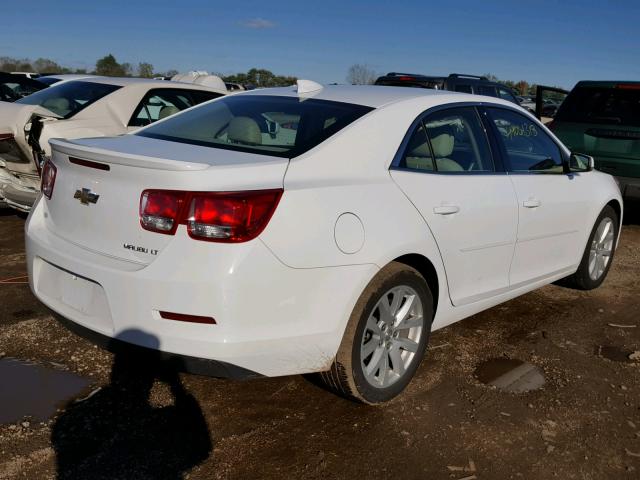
column 68, row 98
column 268, row 125
column 614, row 106
column 49, row 80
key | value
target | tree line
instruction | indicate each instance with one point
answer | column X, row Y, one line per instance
column 110, row 67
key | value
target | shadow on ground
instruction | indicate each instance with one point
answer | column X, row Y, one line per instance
column 118, row 433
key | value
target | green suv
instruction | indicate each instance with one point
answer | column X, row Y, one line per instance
column 602, row 119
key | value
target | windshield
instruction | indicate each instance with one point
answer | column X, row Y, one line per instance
column 269, row 125
column 68, row 98
column 613, row 106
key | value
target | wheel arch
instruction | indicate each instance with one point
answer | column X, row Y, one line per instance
column 617, row 207
column 426, row 268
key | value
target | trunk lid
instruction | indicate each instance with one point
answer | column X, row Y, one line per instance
column 111, row 225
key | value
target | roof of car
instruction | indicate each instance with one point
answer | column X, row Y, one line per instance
column 375, row 96
column 67, row 76
column 126, row 81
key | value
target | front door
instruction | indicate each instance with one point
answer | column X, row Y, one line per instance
column 550, row 202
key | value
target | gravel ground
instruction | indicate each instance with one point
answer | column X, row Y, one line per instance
column 143, row 423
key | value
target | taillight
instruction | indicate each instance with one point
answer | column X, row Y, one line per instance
column 160, row 210
column 230, row 217
column 48, row 179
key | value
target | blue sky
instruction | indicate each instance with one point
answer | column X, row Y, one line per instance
column 548, row 42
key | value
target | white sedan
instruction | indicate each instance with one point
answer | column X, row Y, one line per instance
column 315, row 229
column 78, row 107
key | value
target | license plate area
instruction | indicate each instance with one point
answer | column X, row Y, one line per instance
column 80, row 298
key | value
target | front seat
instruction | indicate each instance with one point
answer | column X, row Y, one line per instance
column 442, row 149
column 244, row 131
column 167, row 111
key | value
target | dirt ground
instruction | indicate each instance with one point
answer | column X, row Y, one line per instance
column 583, row 424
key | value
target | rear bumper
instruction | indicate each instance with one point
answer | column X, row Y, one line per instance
column 270, row 319
column 197, row 366
column 629, row 187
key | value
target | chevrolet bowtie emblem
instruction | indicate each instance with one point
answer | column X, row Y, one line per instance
column 86, row 196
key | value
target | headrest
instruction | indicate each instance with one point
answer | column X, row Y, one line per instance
column 167, row 111
column 442, row 145
column 57, row 105
column 244, row 130
column 421, row 150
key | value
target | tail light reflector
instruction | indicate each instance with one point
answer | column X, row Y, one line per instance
column 182, row 317
column 160, row 210
column 49, row 172
column 230, row 217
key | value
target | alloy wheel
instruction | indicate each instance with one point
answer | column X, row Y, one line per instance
column 601, row 248
column 392, row 336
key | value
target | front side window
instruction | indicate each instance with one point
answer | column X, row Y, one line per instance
column 266, row 124
column 162, row 103
column 528, row 148
column 68, row 98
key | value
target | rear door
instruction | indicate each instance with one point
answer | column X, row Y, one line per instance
column 603, row 120
column 551, row 213
column 447, row 170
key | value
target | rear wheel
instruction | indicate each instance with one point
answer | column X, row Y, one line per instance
column 386, row 337
column 598, row 256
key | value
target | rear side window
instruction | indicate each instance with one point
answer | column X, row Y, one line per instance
column 528, row 148
column 463, row 88
column 612, row 106
column 162, row 103
column 269, row 125
column 450, row 141
column 505, row 94
column 417, row 155
column 68, row 98
column 487, row 90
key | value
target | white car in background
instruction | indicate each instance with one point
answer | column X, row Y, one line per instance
column 77, row 108
column 315, row 229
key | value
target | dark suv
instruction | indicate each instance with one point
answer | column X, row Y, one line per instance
column 602, row 119
column 455, row 82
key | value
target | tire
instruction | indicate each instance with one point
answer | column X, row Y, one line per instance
column 587, row 277
column 369, row 334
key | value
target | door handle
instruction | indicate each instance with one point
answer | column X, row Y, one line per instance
column 446, row 209
column 531, row 203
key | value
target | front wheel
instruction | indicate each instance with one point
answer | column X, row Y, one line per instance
column 386, row 337
column 598, row 255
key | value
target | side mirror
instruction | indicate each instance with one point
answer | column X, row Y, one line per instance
column 579, row 162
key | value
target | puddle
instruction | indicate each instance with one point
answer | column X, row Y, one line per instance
column 613, row 353
column 510, row 375
column 34, row 390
